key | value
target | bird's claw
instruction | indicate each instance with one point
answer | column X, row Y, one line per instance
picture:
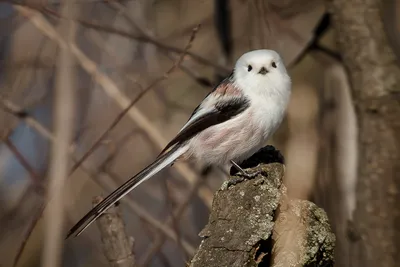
column 243, row 176
column 250, row 175
column 235, row 181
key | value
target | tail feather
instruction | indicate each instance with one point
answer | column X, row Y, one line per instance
column 159, row 164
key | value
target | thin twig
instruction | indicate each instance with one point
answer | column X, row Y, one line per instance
column 25, row 164
column 24, row 115
column 64, row 124
column 206, row 196
column 169, row 205
column 148, row 34
column 148, row 218
column 111, row 89
column 42, row 24
column 131, row 104
column 117, row 6
column 159, row 239
column 144, row 39
column 27, row 234
column 203, row 81
column 144, row 214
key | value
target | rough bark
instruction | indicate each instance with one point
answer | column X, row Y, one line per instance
column 117, row 246
column 375, row 77
column 254, row 223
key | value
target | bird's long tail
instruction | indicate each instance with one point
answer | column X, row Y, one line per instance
column 160, row 163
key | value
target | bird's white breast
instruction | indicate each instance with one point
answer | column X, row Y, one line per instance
column 238, row 138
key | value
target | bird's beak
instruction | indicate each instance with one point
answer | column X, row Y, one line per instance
column 263, row 71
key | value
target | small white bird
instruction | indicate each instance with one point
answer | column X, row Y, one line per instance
column 232, row 123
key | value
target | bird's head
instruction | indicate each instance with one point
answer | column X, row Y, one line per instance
column 261, row 70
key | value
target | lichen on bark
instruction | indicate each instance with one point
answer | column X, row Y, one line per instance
column 250, row 220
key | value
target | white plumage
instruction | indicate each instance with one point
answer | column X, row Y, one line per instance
column 232, row 123
column 240, row 137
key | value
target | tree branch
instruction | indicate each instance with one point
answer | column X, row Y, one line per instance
column 112, row 90
column 254, row 223
column 117, row 246
column 63, row 132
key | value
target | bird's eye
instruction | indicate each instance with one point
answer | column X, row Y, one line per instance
column 249, row 68
column 273, row 64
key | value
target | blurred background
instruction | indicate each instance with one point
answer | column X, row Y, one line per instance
column 124, row 48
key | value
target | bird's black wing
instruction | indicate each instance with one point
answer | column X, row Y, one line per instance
column 224, row 109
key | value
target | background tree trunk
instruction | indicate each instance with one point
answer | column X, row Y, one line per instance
column 374, row 234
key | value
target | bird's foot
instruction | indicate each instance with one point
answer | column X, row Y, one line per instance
column 242, row 175
column 235, row 181
column 251, row 175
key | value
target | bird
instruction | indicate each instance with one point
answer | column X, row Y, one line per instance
column 232, row 123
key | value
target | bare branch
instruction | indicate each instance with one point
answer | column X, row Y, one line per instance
column 148, row 34
column 64, row 125
column 32, row 173
column 23, row 115
column 117, row 245
column 146, row 216
column 254, row 223
column 144, row 38
column 163, row 230
column 27, row 234
column 160, row 239
column 132, row 103
column 111, row 89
